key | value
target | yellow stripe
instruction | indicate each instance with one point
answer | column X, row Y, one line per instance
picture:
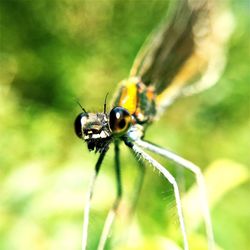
column 128, row 99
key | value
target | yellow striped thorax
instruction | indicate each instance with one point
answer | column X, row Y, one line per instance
column 137, row 98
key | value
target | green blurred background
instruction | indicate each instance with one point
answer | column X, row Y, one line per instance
column 54, row 52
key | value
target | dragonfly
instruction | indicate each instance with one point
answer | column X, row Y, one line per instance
column 183, row 56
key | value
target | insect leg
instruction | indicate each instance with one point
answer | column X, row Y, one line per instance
column 88, row 201
column 199, row 178
column 113, row 211
column 138, row 151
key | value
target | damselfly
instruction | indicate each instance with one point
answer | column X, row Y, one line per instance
column 185, row 55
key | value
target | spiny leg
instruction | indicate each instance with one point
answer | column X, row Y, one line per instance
column 88, row 201
column 171, row 179
column 113, row 211
column 199, row 178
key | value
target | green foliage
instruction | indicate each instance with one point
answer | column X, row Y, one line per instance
column 54, row 52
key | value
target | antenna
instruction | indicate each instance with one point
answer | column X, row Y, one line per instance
column 105, row 103
column 81, row 107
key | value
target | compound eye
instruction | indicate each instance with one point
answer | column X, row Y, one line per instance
column 119, row 120
column 78, row 124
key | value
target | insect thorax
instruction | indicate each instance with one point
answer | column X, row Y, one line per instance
column 138, row 99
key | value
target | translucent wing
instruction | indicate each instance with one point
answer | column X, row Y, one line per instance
column 185, row 55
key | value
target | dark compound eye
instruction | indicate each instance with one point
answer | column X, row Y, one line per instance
column 78, row 124
column 119, row 120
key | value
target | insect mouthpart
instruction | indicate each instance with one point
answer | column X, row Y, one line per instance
column 93, row 129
